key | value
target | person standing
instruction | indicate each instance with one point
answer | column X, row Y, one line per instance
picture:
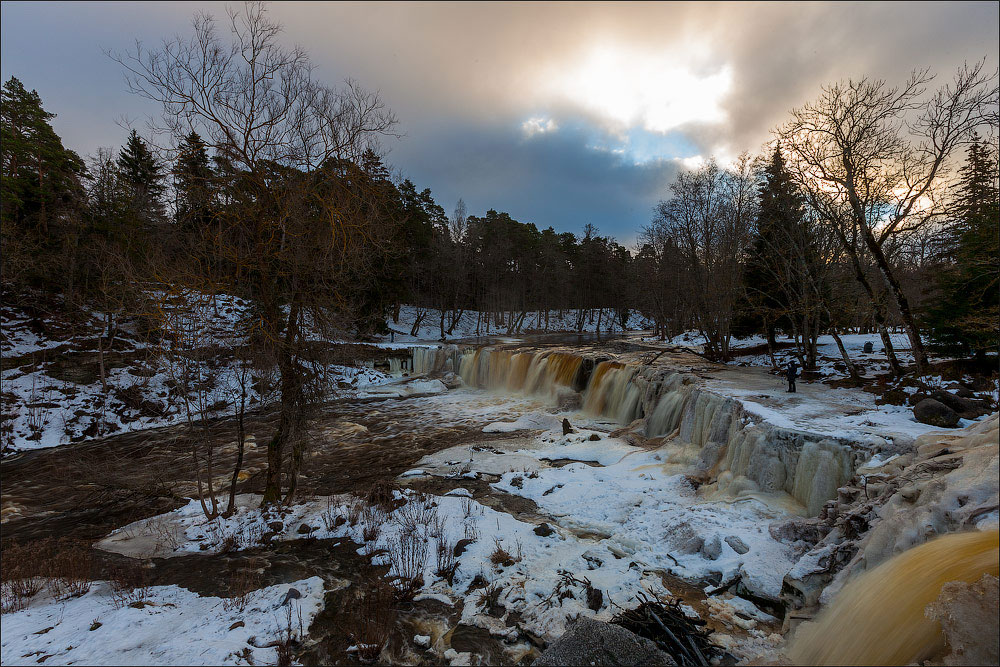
column 791, row 373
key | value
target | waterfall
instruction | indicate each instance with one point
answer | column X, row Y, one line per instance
column 612, row 392
column 712, row 436
column 522, row 372
column 426, row 360
column 880, row 617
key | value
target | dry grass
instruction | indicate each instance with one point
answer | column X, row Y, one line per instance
column 243, row 581
column 501, row 556
column 447, row 563
column 373, row 617
column 63, row 566
column 408, row 555
column 130, row 585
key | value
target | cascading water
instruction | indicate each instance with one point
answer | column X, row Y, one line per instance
column 612, row 393
column 880, row 617
column 538, row 373
column 710, row 434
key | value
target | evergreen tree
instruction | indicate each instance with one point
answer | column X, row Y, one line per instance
column 141, row 176
column 40, row 190
column 41, row 178
column 780, row 215
column 965, row 316
column 193, row 183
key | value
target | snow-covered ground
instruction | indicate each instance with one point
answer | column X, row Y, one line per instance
column 168, row 625
column 55, row 396
column 559, row 321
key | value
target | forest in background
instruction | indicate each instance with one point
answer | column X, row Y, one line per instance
column 874, row 210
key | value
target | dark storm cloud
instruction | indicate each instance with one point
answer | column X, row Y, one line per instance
column 551, row 179
column 464, row 78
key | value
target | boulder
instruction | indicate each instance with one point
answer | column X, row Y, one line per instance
column 590, row 642
column 543, row 530
column 935, row 413
column 964, row 407
column 567, row 427
column 712, row 548
column 738, row 545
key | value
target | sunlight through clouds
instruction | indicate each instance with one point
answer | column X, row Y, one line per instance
column 538, row 125
column 629, row 88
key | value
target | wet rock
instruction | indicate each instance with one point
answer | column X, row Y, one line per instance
column 567, row 427
column 964, row 407
column 292, row 594
column 543, row 530
column 451, row 381
column 967, row 612
column 461, row 546
column 712, row 549
column 590, row 642
column 935, row 413
column 738, row 545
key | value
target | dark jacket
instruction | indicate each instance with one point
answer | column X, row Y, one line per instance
column 793, row 370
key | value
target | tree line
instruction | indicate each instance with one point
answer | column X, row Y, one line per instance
column 875, row 208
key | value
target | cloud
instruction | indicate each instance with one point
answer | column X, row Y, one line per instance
column 561, row 113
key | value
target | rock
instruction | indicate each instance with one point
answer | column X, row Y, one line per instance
column 544, row 530
column 967, row 612
column 590, row 642
column 964, row 407
column 423, row 641
column 594, row 437
column 594, row 561
column 451, row 381
column 517, row 482
column 712, row 549
column 461, row 546
column 935, row 413
column 868, row 348
column 237, row 624
column 738, row 545
column 292, row 594
column 567, row 427
column 595, row 598
column 692, row 545
column 276, row 526
column 305, row 529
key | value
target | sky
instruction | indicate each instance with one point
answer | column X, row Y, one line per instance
column 561, row 114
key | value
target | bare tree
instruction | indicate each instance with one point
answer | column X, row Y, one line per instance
column 709, row 217
column 877, row 155
column 297, row 218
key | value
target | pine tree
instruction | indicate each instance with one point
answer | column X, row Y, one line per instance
column 141, row 176
column 40, row 177
column 193, row 182
column 965, row 316
column 780, row 214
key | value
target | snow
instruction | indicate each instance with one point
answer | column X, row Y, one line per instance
column 174, row 626
column 559, row 321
